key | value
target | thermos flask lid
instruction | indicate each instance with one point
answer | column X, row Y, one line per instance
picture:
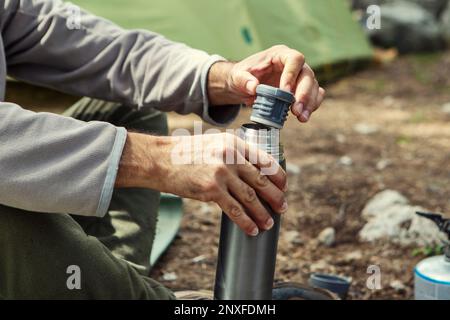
column 271, row 106
column 276, row 93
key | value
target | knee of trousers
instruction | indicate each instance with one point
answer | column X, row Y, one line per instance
column 40, row 253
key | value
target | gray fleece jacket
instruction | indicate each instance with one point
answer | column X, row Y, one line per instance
column 50, row 163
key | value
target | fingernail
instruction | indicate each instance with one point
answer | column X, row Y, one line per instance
column 298, row 108
column 255, row 232
column 287, row 88
column 269, row 223
column 305, row 115
column 250, row 86
column 285, row 207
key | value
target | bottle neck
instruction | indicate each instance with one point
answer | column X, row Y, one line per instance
column 263, row 137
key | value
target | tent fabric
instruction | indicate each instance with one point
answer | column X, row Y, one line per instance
column 322, row 29
column 169, row 222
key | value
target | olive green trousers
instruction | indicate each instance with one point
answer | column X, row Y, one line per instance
column 58, row 256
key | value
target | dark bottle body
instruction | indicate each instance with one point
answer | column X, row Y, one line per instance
column 246, row 265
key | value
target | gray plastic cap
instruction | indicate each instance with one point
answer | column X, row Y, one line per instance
column 271, row 106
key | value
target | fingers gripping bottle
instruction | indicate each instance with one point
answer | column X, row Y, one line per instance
column 246, row 265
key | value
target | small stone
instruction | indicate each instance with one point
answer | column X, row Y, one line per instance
column 346, row 161
column 204, row 209
column 382, row 201
column 320, row 265
column 199, row 259
column 353, row 256
column 365, row 129
column 383, row 164
column 446, row 108
column 397, row 285
column 389, row 101
column 327, row 237
column 293, row 169
column 292, row 236
column 170, row 276
column 340, row 138
column 391, row 218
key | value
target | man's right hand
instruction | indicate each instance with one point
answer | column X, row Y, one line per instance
column 196, row 167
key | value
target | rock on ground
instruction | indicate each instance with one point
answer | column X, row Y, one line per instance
column 383, row 200
column 397, row 285
column 293, row 169
column 345, row 161
column 435, row 7
column 383, row 164
column 365, row 128
column 390, row 217
column 292, row 237
column 353, row 256
column 320, row 265
column 446, row 107
column 327, row 237
column 170, row 276
column 408, row 27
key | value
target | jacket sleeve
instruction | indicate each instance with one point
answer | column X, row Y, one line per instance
column 53, row 44
column 55, row 164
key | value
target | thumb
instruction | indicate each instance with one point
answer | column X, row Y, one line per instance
column 245, row 82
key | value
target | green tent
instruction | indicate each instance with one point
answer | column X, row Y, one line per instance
column 322, row 29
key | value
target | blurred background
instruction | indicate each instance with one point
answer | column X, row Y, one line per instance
column 383, row 131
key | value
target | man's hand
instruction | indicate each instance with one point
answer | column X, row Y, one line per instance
column 279, row 66
column 212, row 167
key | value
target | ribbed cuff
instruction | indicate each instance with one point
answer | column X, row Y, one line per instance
column 216, row 115
column 111, row 174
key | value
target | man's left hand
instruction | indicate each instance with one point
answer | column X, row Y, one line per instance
column 278, row 66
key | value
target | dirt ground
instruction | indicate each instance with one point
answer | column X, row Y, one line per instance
column 403, row 100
